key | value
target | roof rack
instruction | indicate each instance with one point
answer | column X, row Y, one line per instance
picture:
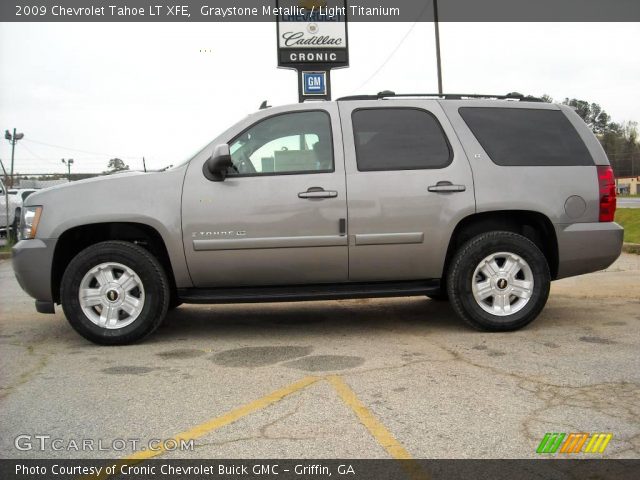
column 445, row 96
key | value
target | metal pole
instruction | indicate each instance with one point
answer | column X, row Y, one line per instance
column 438, row 61
column 144, row 164
column 6, row 176
column 13, row 149
column 6, row 201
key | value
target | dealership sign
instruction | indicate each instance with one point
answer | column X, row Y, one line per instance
column 312, row 37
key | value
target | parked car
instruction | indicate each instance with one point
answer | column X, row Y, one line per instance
column 16, row 197
column 479, row 201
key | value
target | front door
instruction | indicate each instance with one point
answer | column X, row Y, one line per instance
column 279, row 216
column 409, row 184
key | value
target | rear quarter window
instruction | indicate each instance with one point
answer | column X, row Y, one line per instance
column 526, row 137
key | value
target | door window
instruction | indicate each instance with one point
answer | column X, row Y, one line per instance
column 399, row 139
column 290, row 143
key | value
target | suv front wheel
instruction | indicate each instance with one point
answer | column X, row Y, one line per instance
column 498, row 281
column 114, row 293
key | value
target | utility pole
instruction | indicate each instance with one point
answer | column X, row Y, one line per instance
column 437, row 29
column 5, row 192
column 13, row 139
column 144, row 165
column 6, row 175
column 68, row 163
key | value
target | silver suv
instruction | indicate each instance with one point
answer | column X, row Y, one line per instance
column 479, row 201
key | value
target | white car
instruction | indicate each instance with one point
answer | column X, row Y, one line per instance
column 16, row 197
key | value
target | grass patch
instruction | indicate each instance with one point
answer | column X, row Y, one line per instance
column 629, row 218
column 6, row 247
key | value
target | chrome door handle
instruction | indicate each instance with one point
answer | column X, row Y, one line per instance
column 318, row 192
column 446, row 187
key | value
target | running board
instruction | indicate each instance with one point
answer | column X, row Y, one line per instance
column 300, row 293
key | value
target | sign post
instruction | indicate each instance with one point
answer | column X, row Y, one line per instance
column 312, row 39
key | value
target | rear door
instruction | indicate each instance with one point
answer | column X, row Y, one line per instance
column 278, row 218
column 409, row 183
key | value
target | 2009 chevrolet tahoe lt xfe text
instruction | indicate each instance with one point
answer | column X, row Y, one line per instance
column 479, row 201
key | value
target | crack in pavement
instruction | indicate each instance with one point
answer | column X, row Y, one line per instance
column 263, row 433
column 619, row 400
column 25, row 377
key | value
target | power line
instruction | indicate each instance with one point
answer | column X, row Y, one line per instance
column 393, row 52
column 78, row 150
column 38, row 157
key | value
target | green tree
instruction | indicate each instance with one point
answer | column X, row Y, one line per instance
column 620, row 141
column 116, row 165
column 593, row 115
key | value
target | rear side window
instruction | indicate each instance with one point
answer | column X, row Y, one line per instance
column 398, row 139
column 526, row 137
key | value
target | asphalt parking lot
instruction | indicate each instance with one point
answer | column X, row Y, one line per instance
column 372, row 378
column 628, row 202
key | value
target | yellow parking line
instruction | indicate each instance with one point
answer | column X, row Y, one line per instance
column 213, row 424
column 230, row 417
column 383, row 436
column 379, row 432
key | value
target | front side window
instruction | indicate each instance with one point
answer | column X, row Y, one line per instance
column 398, row 139
column 298, row 142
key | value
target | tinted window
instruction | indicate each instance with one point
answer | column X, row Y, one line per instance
column 518, row 136
column 26, row 194
column 297, row 142
column 398, row 139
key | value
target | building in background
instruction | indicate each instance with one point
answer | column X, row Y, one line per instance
column 32, row 183
column 628, row 185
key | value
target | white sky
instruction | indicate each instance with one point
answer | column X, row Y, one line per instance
column 134, row 89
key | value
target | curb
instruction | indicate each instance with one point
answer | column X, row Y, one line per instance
column 631, row 248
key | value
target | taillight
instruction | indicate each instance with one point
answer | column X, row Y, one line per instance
column 607, row 184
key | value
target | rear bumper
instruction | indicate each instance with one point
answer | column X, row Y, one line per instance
column 32, row 263
column 587, row 247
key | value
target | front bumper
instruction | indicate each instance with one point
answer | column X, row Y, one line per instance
column 32, row 263
column 587, row 247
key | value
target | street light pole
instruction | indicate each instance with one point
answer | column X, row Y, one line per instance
column 13, row 139
column 437, row 30
column 68, row 163
column 5, row 192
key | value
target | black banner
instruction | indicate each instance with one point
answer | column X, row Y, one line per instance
column 318, row 56
column 548, row 469
column 357, row 10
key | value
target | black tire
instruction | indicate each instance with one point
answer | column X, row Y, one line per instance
column 147, row 268
column 461, row 275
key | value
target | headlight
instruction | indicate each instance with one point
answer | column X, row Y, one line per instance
column 29, row 222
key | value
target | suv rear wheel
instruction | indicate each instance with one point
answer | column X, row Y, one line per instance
column 498, row 281
column 114, row 293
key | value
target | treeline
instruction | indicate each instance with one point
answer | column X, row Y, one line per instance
column 619, row 140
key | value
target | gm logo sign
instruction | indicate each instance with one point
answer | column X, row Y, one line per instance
column 314, row 83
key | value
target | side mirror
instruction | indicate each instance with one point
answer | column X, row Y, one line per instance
column 215, row 168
